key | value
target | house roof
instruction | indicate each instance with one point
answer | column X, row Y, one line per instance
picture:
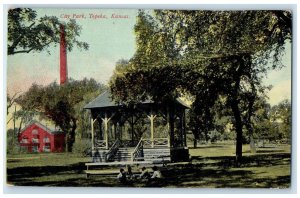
column 105, row 100
column 48, row 129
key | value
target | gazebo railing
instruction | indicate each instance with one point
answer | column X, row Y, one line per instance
column 156, row 142
column 100, row 144
column 138, row 151
column 113, row 150
column 128, row 143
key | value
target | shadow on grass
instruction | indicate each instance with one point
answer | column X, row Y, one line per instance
column 270, row 151
column 198, row 177
column 206, row 147
column 217, row 172
column 21, row 174
column 248, row 161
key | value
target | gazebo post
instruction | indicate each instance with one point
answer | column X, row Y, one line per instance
column 170, row 117
column 152, row 130
column 184, row 129
column 118, row 131
column 93, row 139
column 132, row 130
column 106, row 130
column 151, row 117
column 106, row 120
column 92, row 126
column 101, row 129
column 181, row 129
column 115, row 131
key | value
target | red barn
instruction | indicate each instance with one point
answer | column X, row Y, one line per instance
column 38, row 138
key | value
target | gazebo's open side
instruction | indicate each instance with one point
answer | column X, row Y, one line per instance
column 118, row 135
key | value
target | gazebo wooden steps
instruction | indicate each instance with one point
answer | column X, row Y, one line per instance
column 123, row 154
column 124, row 163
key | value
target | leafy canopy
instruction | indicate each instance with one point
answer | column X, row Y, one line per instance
column 207, row 54
column 27, row 33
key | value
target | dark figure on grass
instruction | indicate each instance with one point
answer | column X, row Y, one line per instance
column 122, row 176
column 129, row 175
column 156, row 179
column 156, row 174
column 144, row 174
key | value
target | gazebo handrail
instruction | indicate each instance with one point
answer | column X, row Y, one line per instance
column 157, row 142
column 113, row 150
column 100, row 144
column 137, row 150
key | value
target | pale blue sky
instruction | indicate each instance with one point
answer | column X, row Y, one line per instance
column 110, row 40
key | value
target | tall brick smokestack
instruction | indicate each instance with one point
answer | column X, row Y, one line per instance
column 63, row 56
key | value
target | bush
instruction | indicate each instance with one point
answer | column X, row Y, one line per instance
column 13, row 149
column 12, row 145
column 82, row 147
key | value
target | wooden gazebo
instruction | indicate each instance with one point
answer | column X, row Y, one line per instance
column 146, row 131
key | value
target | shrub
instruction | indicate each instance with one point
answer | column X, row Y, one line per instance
column 82, row 147
column 12, row 145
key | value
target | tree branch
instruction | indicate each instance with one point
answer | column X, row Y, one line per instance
column 29, row 50
column 18, row 40
column 9, row 120
column 21, row 51
column 11, row 102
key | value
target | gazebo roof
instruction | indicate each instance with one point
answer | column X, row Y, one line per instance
column 105, row 100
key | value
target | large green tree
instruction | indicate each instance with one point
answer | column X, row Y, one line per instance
column 272, row 123
column 254, row 37
column 27, row 33
column 282, row 115
column 207, row 54
column 59, row 103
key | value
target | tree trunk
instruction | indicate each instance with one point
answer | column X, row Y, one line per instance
column 71, row 136
column 196, row 137
column 206, row 136
column 239, row 131
column 195, row 142
column 252, row 144
column 248, row 121
column 68, row 143
column 250, row 131
column 234, row 103
column 14, row 119
column 20, row 126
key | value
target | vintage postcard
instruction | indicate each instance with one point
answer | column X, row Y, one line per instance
column 149, row 98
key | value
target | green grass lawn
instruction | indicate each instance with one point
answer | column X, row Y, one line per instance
column 210, row 166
